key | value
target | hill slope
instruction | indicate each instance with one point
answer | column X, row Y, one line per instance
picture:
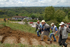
column 7, row 35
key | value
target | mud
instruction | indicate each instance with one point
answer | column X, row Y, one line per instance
column 8, row 35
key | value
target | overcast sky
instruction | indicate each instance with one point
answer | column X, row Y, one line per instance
column 20, row 3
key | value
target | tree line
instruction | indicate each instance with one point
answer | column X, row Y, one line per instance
column 50, row 14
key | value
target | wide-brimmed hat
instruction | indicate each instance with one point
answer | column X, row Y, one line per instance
column 52, row 24
column 43, row 21
column 62, row 23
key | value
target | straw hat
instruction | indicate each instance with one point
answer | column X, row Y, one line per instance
column 62, row 23
column 43, row 21
column 52, row 24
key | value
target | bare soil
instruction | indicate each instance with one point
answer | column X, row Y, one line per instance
column 8, row 35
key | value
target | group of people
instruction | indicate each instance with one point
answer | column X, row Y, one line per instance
column 43, row 28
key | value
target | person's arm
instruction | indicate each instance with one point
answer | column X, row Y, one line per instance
column 55, row 30
column 40, row 26
column 47, row 28
column 68, row 29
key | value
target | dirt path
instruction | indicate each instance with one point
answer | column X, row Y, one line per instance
column 10, row 40
column 7, row 35
column 24, row 41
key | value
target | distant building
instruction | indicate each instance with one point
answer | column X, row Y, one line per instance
column 28, row 18
column 21, row 18
column 18, row 18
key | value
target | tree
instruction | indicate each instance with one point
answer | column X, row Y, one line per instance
column 69, row 15
column 59, row 15
column 53, row 21
column 1, row 12
column 49, row 13
column 66, row 20
column 33, row 16
column 66, row 10
column 16, row 14
column 26, row 22
column 40, row 17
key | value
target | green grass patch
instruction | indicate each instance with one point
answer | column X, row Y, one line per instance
column 21, row 45
column 69, row 34
column 25, row 27
column 32, row 20
column 14, row 21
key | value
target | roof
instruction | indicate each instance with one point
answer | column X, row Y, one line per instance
column 68, row 23
column 19, row 17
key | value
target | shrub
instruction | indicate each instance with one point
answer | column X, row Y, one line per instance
column 53, row 21
column 26, row 22
column 4, row 24
column 33, row 20
column 66, row 20
column 19, row 20
column 15, row 20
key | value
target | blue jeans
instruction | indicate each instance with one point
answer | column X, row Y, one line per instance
column 53, row 36
column 38, row 33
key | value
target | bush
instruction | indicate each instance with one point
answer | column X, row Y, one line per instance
column 33, row 21
column 26, row 22
column 4, row 24
column 53, row 21
column 19, row 20
column 66, row 20
column 15, row 20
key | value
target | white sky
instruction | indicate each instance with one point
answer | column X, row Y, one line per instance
column 17, row 3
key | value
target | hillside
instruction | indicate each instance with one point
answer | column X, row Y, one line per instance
column 8, row 35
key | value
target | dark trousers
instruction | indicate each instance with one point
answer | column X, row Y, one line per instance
column 62, row 41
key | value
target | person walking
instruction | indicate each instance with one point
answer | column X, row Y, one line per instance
column 38, row 28
column 54, row 32
column 63, row 34
column 4, row 19
column 45, row 30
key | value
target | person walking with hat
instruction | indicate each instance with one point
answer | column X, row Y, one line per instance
column 38, row 28
column 45, row 30
column 54, row 32
column 63, row 34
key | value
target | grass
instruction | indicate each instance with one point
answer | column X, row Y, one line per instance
column 1, row 19
column 25, row 28
column 21, row 45
column 16, row 26
column 68, row 34
column 14, row 21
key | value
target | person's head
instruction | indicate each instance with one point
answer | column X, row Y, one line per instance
column 52, row 24
column 43, row 22
column 38, row 22
column 62, row 24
